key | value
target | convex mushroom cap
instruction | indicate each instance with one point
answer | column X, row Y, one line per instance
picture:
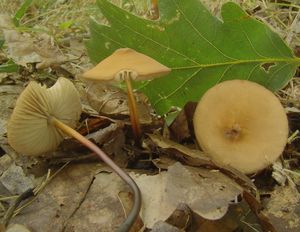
column 29, row 130
column 241, row 124
column 140, row 67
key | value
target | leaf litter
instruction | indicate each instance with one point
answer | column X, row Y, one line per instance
column 74, row 195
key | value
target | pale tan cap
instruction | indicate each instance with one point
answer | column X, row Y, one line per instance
column 29, row 131
column 241, row 124
column 140, row 66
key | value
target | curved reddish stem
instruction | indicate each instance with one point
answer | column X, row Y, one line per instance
column 127, row 224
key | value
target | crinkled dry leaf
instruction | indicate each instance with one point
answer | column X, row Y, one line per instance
column 155, row 206
column 163, row 226
column 23, row 48
column 101, row 210
column 181, row 128
column 205, row 192
column 283, row 209
column 15, row 180
column 111, row 100
column 5, row 163
column 59, row 200
column 191, row 155
column 8, row 97
column 198, row 158
column 127, row 198
column 111, row 138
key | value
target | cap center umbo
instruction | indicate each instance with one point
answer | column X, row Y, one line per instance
column 234, row 132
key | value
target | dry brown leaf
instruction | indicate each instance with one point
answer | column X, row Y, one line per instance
column 59, row 200
column 101, row 209
column 192, row 156
column 182, row 127
column 283, row 209
column 111, row 100
column 111, row 138
column 163, row 226
column 205, row 192
column 23, row 48
column 15, row 180
column 5, row 162
column 127, row 199
column 199, row 159
column 8, row 97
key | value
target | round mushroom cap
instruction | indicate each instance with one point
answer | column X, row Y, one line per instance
column 241, row 124
column 140, row 66
column 29, row 129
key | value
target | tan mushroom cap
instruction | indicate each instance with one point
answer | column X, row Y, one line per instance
column 140, row 66
column 29, row 130
column 241, row 124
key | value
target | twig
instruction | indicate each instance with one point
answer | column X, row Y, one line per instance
column 10, row 212
column 39, row 188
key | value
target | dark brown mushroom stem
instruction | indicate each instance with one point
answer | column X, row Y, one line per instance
column 129, row 221
column 135, row 124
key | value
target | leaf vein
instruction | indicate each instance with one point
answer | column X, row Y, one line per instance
column 200, row 34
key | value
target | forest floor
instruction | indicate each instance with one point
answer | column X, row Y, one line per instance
column 74, row 192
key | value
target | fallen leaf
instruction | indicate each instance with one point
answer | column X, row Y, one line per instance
column 192, row 156
column 23, row 48
column 127, row 199
column 5, row 163
column 8, row 97
column 205, row 192
column 110, row 100
column 181, row 128
column 181, row 217
column 101, row 209
column 237, row 218
column 283, row 208
column 164, row 226
column 198, row 158
column 15, row 180
column 59, row 200
column 256, row 208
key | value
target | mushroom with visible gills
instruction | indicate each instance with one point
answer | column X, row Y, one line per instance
column 241, row 124
column 41, row 119
column 127, row 64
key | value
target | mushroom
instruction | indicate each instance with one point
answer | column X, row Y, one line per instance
column 41, row 119
column 127, row 64
column 241, row 124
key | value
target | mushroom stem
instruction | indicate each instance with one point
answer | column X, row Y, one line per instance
column 127, row 224
column 154, row 9
column 135, row 124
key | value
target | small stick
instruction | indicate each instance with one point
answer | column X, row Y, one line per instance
column 16, row 203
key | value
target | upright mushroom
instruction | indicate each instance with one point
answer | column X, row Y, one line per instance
column 127, row 64
column 41, row 119
column 241, row 124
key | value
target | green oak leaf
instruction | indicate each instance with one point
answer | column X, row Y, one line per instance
column 201, row 49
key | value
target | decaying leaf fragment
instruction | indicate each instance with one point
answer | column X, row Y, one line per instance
column 110, row 100
column 24, row 48
column 283, row 209
column 8, row 97
column 206, row 192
